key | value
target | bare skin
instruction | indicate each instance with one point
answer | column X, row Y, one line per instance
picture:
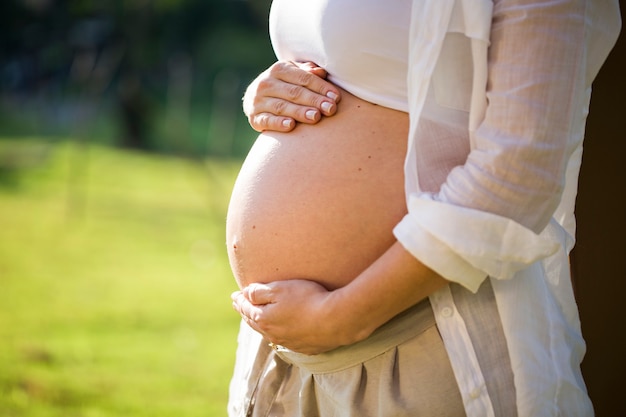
column 319, row 202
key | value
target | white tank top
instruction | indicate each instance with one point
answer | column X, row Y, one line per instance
column 363, row 44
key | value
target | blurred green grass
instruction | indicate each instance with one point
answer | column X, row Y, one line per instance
column 114, row 282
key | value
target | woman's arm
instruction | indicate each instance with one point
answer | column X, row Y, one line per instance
column 287, row 93
column 540, row 70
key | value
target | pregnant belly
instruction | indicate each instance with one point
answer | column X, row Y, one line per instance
column 321, row 201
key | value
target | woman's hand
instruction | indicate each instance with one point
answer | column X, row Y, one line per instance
column 287, row 93
column 295, row 314
column 307, row 318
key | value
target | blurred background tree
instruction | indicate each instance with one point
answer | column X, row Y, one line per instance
column 161, row 75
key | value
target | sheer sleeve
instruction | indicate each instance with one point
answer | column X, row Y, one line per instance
column 525, row 129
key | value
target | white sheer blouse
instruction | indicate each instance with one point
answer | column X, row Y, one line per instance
column 507, row 210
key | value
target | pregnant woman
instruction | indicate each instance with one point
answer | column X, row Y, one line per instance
column 407, row 254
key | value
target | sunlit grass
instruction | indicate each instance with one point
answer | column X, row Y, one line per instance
column 114, row 283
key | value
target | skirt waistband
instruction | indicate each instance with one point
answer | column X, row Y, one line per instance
column 401, row 328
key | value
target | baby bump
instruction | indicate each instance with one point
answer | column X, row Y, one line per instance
column 320, row 202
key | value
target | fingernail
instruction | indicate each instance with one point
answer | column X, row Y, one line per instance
column 311, row 114
column 326, row 106
column 287, row 123
column 331, row 95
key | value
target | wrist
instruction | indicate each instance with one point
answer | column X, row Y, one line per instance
column 393, row 283
column 348, row 320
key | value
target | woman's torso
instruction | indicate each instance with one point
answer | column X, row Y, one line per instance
column 321, row 201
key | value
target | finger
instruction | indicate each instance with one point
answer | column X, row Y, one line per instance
column 313, row 68
column 301, row 113
column 249, row 312
column 235, row 297
column 299, row 77
column 286, row 99
column 258, row 294
column 267, row 121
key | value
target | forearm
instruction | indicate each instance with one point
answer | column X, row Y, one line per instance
column 392, row 284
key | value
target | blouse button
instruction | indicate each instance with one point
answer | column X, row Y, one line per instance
column 446, row 312
column 475, row 393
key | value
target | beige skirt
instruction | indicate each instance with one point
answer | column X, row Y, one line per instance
column 402, row 369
